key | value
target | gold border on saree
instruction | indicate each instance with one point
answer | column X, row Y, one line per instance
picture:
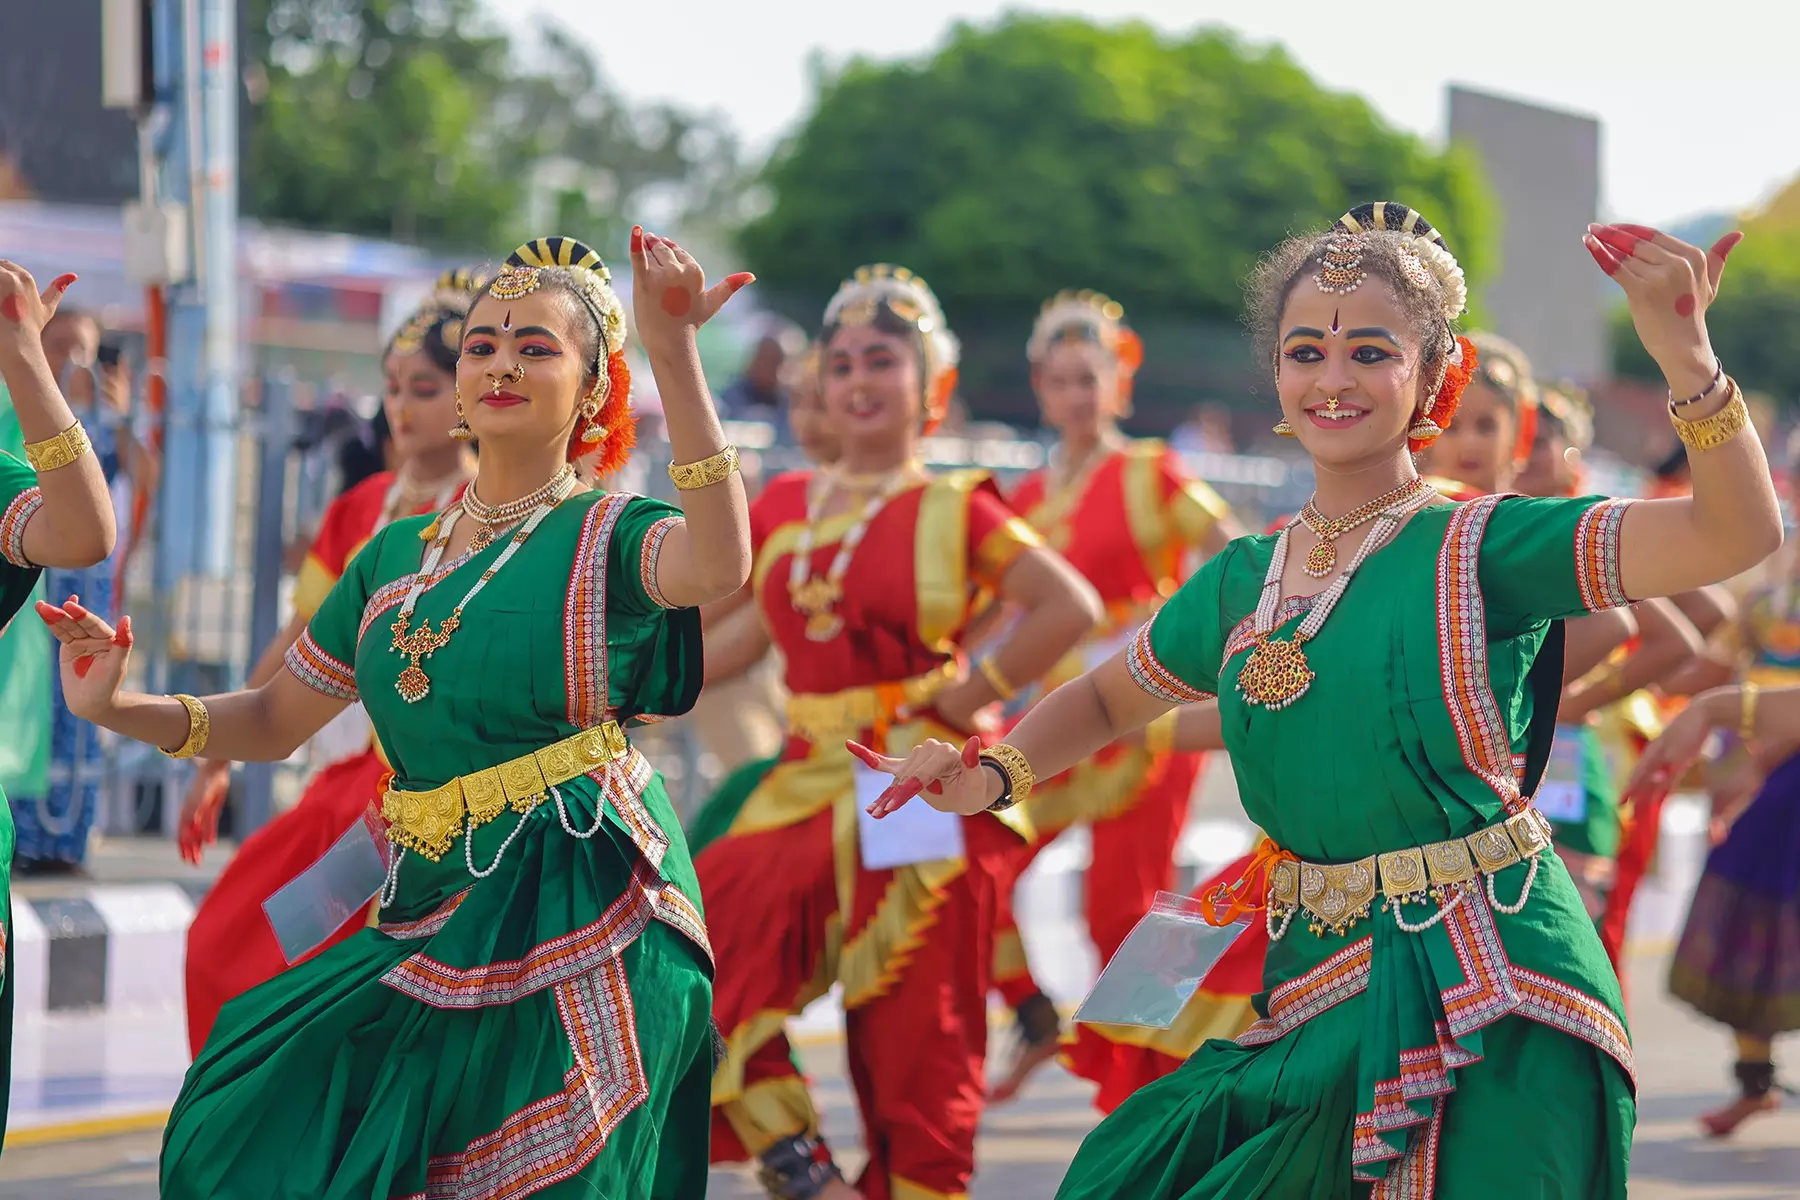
column 1338, row 895
column 428, row 823
column 823, row 718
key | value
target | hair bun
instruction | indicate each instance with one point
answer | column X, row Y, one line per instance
column 1395, row 218
column 559, row 251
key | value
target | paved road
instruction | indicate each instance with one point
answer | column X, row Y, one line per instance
column 1024, row 1148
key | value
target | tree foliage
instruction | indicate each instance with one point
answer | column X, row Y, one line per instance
column 422, row 121
column 1047, row 152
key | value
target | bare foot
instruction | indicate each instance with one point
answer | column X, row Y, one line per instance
column 1722, row 1122
column 1030, row 1057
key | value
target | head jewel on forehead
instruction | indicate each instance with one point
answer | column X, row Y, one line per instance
column 1424, row 255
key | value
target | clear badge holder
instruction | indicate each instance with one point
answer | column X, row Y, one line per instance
column 1562, row 795
column 1159, row 967
column 317, row 902
column 911, row 834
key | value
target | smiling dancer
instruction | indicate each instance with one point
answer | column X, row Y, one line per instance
column 533, row 1012
column 1435, row 989
column 1131, row 520
column 866, row 574
column 55, row 511
column 230, row 945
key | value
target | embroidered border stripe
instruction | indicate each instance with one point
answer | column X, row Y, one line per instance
column 584, row 614
column 1597, row 555
column 1149, row 673
column 1243, row 634
column 651, row 555
column 319, row 670
column 1294, row 1003
column 1481, row 731
column 12, row 526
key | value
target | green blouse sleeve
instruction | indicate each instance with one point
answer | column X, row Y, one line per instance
column 1177, row 656
column 19, row 499
column 1548, row 558
column 661, row 643
column 324, row 657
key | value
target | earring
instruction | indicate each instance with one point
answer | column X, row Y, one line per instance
column 594, row 431
column 1425, row 429
column 461, row 431
column 1283, row 429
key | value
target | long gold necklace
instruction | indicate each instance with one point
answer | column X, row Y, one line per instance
column 495, row 518
column 817, row 597
column 1276, row 674
column 421, row 643
column 1322, row 558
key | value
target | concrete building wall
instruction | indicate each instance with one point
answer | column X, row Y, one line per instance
column 1545, row 169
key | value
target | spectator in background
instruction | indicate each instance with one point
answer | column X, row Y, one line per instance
column 1206, row 431
column 56, row 818
column 368, row 451
column 760, row 393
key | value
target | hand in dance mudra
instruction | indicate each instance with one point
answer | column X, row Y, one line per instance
column 1668, row 285
column 949, row 779
column 94, row 656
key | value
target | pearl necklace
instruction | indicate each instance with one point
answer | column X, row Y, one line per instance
column 818, row 598
column 1277, row 674
column 414, row 685
column 496, row 517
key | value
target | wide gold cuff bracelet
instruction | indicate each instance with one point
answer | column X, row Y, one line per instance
column 1709, row 433
column 689, row 476
column 199, row 728
column 58, row 451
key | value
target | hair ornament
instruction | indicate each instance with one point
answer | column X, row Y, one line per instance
column 1340, row 264
column 870, row 289
column 1569, row 406
column 1425, row 242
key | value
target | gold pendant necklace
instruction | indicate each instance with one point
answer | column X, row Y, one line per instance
column 1277, row 674
column 1322, row 558
column 817, row 598
column 497, row 517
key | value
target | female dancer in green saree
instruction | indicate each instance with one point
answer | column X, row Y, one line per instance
column 1439, row 1018
column 54, row 512
column 532, row 1014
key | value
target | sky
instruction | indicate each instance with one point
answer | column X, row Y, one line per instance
column 1699, row 108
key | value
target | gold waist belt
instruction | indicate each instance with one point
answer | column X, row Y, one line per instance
column 428, row 823
column 826, row 717
column 1338, row 895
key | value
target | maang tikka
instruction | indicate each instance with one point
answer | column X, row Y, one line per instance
column 1340, row 264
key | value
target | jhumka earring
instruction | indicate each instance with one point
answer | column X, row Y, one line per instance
column 461, row 431
column 1425, row 429
column 594, row 431
column 1283, row 429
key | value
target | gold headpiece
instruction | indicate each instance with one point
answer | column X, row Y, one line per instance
column 1424, row 251
column 522, row 274
column 443, row 309
column 1084, row 315
column 908, row 297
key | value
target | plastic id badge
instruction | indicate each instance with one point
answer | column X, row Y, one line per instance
column 1159, row 967
column 1562, row 796
column 317, row 902
column 914, row 833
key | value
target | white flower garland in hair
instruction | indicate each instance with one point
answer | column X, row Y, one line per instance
column 1443, row 265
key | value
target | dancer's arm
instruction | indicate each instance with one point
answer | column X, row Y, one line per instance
column 1767, row 718
column 74, row 527
column 1731, row 522
column 1198, row 728
column 735, row 642
column 262, row 724
column 1666, row 641
column 706, row 557
column 1590, row 639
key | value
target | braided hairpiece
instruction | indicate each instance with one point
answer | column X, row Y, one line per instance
column 883, row 288
column 547, row 258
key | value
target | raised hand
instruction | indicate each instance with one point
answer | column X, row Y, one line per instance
column 24, row 311
column 951, row 780
column 1668, row 757
column 198, row 825
column 1669, row 286
column 669, row 296
column 94, row 657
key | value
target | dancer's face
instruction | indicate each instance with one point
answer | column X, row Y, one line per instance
column 1077, row 386
column 1478, row 447
column 1360, row 349
column 874, row 385
column 810, row 423
column 1553, row 469
column 420, row 400
column 524, row 368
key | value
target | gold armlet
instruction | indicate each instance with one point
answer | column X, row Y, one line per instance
column 199, row 728
column 1015, row 770
column 1709, row 433
column 990, row 671
column 689, row 476
column 1747, row 695
column 58, row 451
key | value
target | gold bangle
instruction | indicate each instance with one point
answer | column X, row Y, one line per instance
column 58, row 451
column 708, row 471
column 1747, row 711
column 1709, row 433
column 199, row 728
column 990, row 671
column 1017, row 772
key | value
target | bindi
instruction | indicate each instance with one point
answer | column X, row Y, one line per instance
column 507, row 323
column 1336, row 327
column 12, row 308
column 1684, row 305
column 676, row 301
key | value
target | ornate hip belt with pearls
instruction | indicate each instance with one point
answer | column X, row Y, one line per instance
column 1336, row 896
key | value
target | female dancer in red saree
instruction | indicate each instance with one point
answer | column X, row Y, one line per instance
column 1129, row 518
column 230, row 945
column 866, row 574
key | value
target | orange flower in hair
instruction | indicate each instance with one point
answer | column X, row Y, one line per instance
column 1449, row 394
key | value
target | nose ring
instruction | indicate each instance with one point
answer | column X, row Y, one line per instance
column 1331, row 403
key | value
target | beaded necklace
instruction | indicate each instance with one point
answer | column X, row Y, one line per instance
column 817, row 598
column 1276, row 674
column 414, row 685
column 497, row 517
column 1323, row 556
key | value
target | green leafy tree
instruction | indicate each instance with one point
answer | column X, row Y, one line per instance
column 1754, row 322
column 1047, row 152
